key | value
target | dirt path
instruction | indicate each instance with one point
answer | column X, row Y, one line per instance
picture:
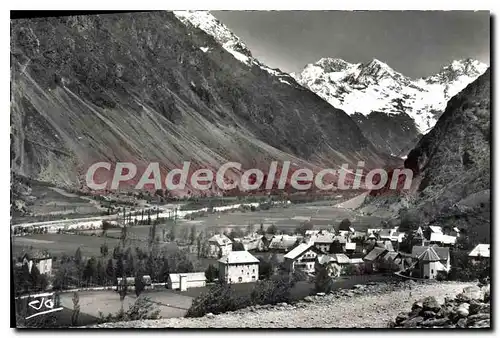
column 370, row 310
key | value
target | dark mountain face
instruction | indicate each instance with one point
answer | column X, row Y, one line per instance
column 451, row 165
column 453, row 159
column 138, row 87
column 392, row 133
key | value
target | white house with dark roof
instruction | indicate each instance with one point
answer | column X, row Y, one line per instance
column 219, row 245
column 431, row 260
column 323, row 242
column 238, row 267
column 42, row 260
column 283, row 242
column 302, row 257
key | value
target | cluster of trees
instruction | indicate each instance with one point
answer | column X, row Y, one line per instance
column 222, row 298
column 26, row 280
column 462, row 268
column 75, row 271
column 30, row 230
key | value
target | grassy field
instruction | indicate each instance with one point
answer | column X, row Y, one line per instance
column 170, row 303
column 322, row 214
column 58, row 244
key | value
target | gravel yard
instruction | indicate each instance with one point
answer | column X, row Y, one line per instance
column 372, row 306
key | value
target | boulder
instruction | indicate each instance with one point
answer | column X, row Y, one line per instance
column 486, row 297
column 428, row 314
column 462, row 310
column 210, row 315
column 478, row 307
column 435, row 322
column 414, row 313
column 412, row 322
column 480, row 324
column 473, row 292
column 462, row 298
column 402, row 316
column 321, row 294
column 417, row 305
column 477, row 317
column 309, row 299
column 430, row 304
column 462, row 323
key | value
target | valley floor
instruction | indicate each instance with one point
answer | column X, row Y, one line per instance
column 367, row 310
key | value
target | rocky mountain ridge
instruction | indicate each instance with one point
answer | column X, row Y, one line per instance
column 143, row 87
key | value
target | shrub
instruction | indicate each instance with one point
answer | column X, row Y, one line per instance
column 142, row 309
column 220, row 298
column 223, row 297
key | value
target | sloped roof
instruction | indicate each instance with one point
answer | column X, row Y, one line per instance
column 350, row 246
column 336, row 258
column 374, row 254
column 36, row 255
column 191, row 276
column 481, row 250
column 385, row 233
column 436, row 229
column 324, row 238
column 324, row 259
column 391, row 255
column 441, row 238
column 283, row 241
column 341, row 258
column 429, row 255
column 443, row 253
column 356, row 260
column 220, row 239
column 239, row 257
column 298, row 250
column 419, row 231
column 385, row 244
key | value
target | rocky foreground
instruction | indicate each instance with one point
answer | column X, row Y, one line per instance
column 469, row 309
column 373, row 306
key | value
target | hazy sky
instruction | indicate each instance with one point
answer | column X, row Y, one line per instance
column 414, row 43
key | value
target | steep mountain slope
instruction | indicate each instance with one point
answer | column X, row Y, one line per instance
column 391, row 109
column 205, row 21
column 145, row 87
column 451, row 165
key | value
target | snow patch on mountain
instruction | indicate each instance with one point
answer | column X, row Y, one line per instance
column 205, row 21
column 374, row 86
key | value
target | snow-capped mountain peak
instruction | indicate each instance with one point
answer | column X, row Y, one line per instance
column 205, row 21
column 333, row 64
column 376, row 87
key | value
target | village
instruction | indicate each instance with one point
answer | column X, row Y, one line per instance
column 174, row 257
column 421, row 254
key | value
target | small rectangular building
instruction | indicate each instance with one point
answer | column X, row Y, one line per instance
column 43, row 262
column 184, row 281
